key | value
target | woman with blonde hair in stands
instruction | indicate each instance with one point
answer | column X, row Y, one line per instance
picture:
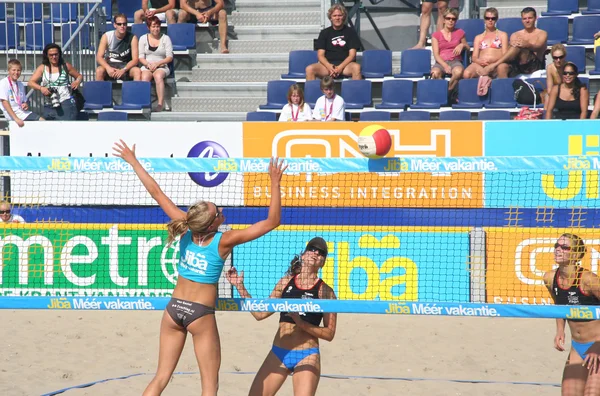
column 448, row 45
column 554, row 71
column 295, row 109
column 203, row 250
column 488, row 46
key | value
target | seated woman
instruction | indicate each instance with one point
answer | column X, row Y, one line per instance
column 569, row 99
column 155, row 53
column 488, row 47
column 554, row 71
column 447, row 45
column 296, row 109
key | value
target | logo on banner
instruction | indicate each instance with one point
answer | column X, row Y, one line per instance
column 208, row 149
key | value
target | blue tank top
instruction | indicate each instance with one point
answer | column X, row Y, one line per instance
column 200, row 264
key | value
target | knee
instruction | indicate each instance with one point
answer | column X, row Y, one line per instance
column 457, row 73
column 100, row 73
column 426, row 9
column 468, row 73
column 436, row 74
column 310, row 71
column 222, row 15
column 138, row 16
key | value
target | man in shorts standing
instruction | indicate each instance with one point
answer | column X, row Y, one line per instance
column 426, row 9
column 206, row 11
column 117, row 55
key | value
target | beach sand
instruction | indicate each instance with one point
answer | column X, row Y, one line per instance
column 44, row 351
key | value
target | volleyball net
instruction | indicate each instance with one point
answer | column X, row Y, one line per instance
column 479, row 246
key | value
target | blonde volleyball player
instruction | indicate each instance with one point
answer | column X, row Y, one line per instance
column 570, row 284
column 203, row 250
column 296, row 344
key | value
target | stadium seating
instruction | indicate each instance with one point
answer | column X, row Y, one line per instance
column 107, row 5
column 7, row 35
column 375, row 116
column 502, row 94
column 510, row 25
column 357, row 94
column 135, row 96
column 489, row 115
column 139, row 29
column 455, row 115
column 562, row 7
column 557, row 28
column 38, row 35
column 584, row 28
column 414, row 115
column 431, row 94
column 298, row 60
column 312, row 92
column 376, row 63
column 576, row 55
column 112, row 116
column 276, row 95
column 97, row 94
column 596, row 70
column 467, row 95
column 183, row 36
column 472, row 28
column 414, row 63
column 585, row 81
column 28, row 12
column 2, row 11
column 261, row 116
column 396, row 94
column 65, row 12
column 129, row 7
column 83, row 41
column 593, row 7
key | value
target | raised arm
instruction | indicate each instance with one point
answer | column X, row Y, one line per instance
column 128, row 154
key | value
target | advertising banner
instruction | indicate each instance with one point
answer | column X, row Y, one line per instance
column 107, row 186
column 387, row 189
column 367, row 263
column 577, row 185
column 518, row 258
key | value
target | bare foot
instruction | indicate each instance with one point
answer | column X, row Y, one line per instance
column 224, row 50
column 158, row 108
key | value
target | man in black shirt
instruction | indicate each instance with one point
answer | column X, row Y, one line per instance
column 337, row 46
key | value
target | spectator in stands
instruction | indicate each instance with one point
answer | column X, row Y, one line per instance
column 329, row 107
column 488, row 46
column 568, row 100
column 54, row 74
column 156, row 52
column 206, row 11
column 6, row 216
column 164, row 10
column 426, row 9
column 117, row 55
column 336, row 48
column 296, row 109
column 448, row 45
column 554, row 71
column 13, row 97
column 596, row 110
column 526, row 53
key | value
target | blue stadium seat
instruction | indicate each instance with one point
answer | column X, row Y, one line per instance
column 136, row 96
column 297, row 62
column 28, row 12
column 357, row 94
column 376, row 63
column 375, row 116
column 2, row 11
column 97, row 94
column 502, row 94
column 510, row 25
column 112, row 116
column 431, row 94
column 8, row 30
column 183, row 36
column 584, row 28
column 38, row 35
column 396, row 94
column 414, row 63
column 489, row 115
column 593, row 7
column 585, row 81
column 139, row 29
column 455, row 115
column 312, row 92
column 562, row 7
column 414, row 115
column 557, row 28
column 106, row 4
column 129, row 7
column 467, row 95
column 67, row 30
column 472, row 28
column 261, row 116
column 276, row 95
column 594, row 72
column 65, row 12
column 576, row 55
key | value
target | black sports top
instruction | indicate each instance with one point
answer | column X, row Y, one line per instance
column 573, row 295
column 566, row 109
column 293, row 291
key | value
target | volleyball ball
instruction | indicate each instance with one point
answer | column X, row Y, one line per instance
column 374, row 141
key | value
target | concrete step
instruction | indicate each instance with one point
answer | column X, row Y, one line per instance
column 277, row 5
column 242, row 61
column 292, row 32
column 216, row 104
column 269, row 46
column 289, row 17
column 198, row 116
column 220, row 89
column 237, row 75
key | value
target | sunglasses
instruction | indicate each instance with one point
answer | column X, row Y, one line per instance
column 53, row 55
column 563, row 247
column 491, row 18
column 315, row 250
column 4, row 211
column 450, row 19
column 121, row 23
column 558, row 57
column 569, row 73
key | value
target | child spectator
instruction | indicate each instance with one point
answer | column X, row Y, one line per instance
column 296, row 109
column 329, row 107
column 13, row 97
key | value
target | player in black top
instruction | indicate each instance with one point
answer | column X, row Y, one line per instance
column 336, row 48
column 570, row 284
column 296, row 344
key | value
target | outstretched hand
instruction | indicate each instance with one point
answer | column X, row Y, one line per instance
column 122, row 150
column 276, row 169
column 235, row 278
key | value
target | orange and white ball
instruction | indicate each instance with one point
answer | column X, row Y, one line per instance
column 374, row 141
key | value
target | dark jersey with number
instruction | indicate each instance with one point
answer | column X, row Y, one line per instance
column 293, row 291
column 337, row 43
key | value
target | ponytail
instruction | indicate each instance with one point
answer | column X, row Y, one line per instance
column 176, row 228
column 295, row 266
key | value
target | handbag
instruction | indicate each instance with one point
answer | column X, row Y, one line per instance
column 529, row 114
column 525, row 93
column 76, row 93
